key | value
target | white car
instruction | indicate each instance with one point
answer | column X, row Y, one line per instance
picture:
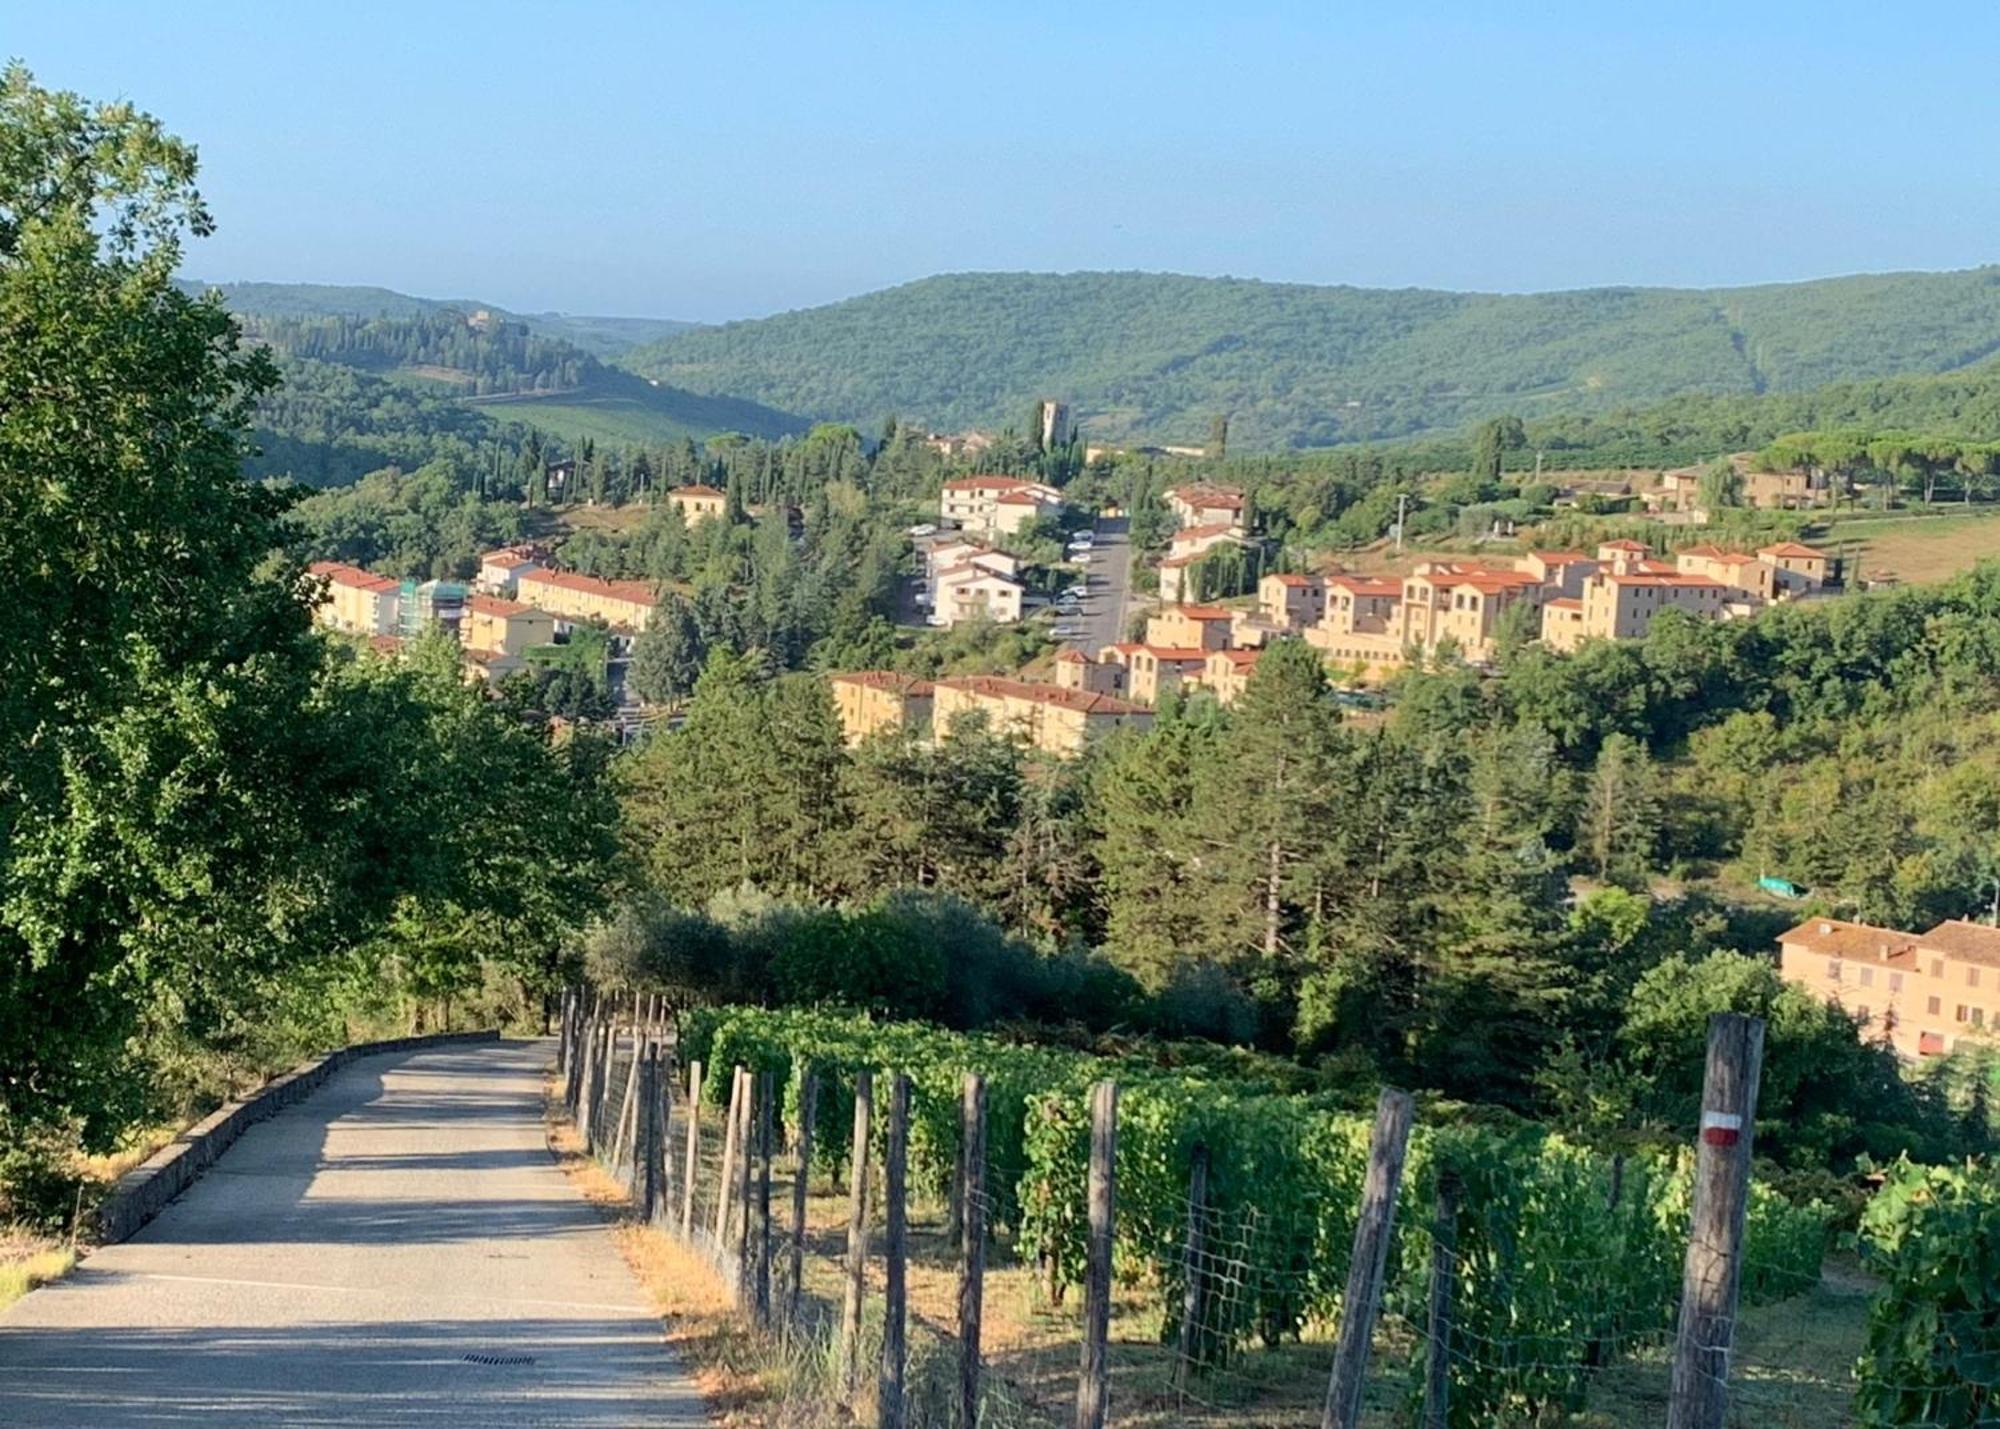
column 922, row 597
column 1084, row 538
column 1079, row 590
column 924, row 530
column 936, row 617
column 1066, row 632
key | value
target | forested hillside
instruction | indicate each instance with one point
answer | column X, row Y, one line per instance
column 599, row 336
column 1155, row 355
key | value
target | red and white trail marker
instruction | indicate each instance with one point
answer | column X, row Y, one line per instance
column 1721, row 1128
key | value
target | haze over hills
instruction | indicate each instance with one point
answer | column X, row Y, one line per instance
column 599, row 336
column 1154, row 356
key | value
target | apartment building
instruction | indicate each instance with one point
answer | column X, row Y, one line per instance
column 1622, row 605
column 500, row 570
column 1560, row 572
column 1292, row 602
column 356, row 601
column 878, row 701
column 1201, row 504
column 1197, row 627
column 698, row 503
column 996, row 505
column 1052, row 718
column 1077, row 671
column 494, row 625
column 1461, row 602
column 1227, row 672
column 1746, row 577
column 1923, row 993
column 974, row 590
column 1801, row 568
column 1152, row 672
column 625, row 606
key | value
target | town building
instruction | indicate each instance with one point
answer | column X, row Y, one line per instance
column 1052, row 718
column 698, row 503
column 974, row 591
column 1053, row 420
column 500, row 570
column 356, row 601
column 1197, row 627
column 1622, row 605
column 1800, row 567
column 881, row 701
column 991, row 506
column 625, row 606
column 1077, row 671
column 494, row 625
column 1201, row 504
column 1922, row 993
column 1152, row 672
column 1290, row 601
column 1227, row 672
column 1747, row 577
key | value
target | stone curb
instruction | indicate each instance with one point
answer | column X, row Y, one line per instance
column 144, row 1191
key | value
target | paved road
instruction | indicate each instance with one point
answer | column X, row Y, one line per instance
column 343, row 1261
column 1110, row 578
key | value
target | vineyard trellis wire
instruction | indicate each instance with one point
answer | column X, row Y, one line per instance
column 1559, row 1270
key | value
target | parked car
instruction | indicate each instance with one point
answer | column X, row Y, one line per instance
column 936, row 617
column 1066, row 632
column 924, row 530
column 922, row 597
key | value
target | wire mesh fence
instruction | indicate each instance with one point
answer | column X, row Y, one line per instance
column 915, row 1295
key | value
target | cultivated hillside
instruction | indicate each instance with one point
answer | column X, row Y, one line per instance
column 1155, row 355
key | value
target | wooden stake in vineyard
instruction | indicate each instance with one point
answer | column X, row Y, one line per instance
column 1387, row 1147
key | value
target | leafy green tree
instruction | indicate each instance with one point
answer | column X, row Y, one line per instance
column 1619, row 822
column 667, row 657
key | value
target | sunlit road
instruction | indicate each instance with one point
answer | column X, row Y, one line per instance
column 397, row 1249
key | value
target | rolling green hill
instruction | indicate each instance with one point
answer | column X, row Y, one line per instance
column 1155, row 355
column 598, row 336
column 509, row 370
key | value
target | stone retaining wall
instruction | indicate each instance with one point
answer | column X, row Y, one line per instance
column 142, row 1192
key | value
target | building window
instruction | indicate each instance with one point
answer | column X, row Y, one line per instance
column 1937, row 967
column 1978, row 1017
column 1868, row 977
column 1959, row 1013
column 1933, row 1005
column 1833, row 970
column 1895, row 982
column 1972, row 977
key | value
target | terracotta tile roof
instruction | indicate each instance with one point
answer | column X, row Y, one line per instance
column 385, row 644
column 951, row 573
column 1204, row 497
column 999, row 687
column 497, row 606
column 1860, row 941
column 890, row 680
column 507, row 558
column 634, row 592
column 1967, row 942
column 1203, row 612
column 1367, row 585
column 1560, row 558
column 1241, row 659
column 695, row 489
column 985, row 483
column 1624, row 545
column 1073, row 657
column 1563, row 602
column 1177, row 654
column 1186, row 558
column 1124, row 647
column 1021, row 498
column 1793, row 549
column 353, row 577
column 1203, row 531
column 1296, row 582
column 1663, row 578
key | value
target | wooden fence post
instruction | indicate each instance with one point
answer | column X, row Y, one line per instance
column 562, row 1038
column 1362, row 1301
column 762, row 1249
column 972, row 1243
column 895, row 1249
column 1444, row 1282
column 726, row 1189
column 1699, row 1397
column 607, row 1056
column 746, row 1266
column 857, row 1235
column 646, row 1144
column 1194, row 1270
column 1093, row 1384
column 662, row 1161
column 692, row 1165
column 624, row 1134
column 808, row 1111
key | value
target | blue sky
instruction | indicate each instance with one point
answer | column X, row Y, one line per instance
column 727, row 160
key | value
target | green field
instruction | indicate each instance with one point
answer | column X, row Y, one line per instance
column 620, row 408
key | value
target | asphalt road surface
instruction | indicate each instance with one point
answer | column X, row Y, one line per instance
column 397, row 1249
column 1109, row 568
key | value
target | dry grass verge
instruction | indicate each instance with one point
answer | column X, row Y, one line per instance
column 750, row 1380
column 28, row 1260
